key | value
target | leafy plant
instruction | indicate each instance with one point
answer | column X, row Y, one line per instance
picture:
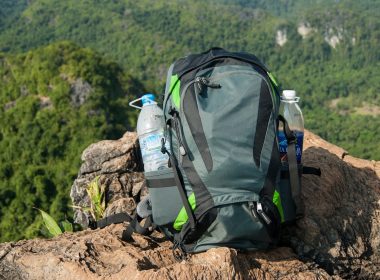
column 67, row 226
column 50, row 223
column 96, row 193
column 53, row 228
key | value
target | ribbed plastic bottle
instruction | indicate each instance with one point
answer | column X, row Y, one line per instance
column 292, row 113
column 150, row 131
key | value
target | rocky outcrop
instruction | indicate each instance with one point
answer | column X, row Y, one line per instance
column 117, row 165
column 341, row 228
column 281, row 37
column 100, row 254
column 304, row 29
column 79, row 92
column 338, row 237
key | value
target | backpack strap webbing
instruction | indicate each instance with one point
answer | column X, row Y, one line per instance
column 293, row 167
column 180, row 185
column 134, row 226
column 307, row 170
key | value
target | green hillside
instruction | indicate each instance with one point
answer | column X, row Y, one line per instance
column 327, row 50
column 334, row 68
column 54, row 102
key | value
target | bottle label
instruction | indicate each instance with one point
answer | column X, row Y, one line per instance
column 152, row 142
column 150, row 146
column 283, row 145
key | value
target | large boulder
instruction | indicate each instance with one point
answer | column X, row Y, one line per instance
column 338, row 237
column 118, row 168
column 341, row 227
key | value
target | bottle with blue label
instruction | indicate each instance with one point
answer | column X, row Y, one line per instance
column 292, row 113
column 150, row 131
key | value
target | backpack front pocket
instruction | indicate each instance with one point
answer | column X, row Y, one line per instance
column 236, row 226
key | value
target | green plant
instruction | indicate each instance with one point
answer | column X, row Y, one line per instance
column 50, row 224
column 53, row 228
column 96, row 193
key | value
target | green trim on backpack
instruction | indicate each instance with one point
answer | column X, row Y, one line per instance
column 182, row 215
column 277, row 201
column 273, row 79
column 175, row 84
column 274, row 85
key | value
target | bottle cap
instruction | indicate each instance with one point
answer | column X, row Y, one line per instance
column 147, row 99
column 289, row 94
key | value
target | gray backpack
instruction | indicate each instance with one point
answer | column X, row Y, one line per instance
column 221, row 112
column 226, row 185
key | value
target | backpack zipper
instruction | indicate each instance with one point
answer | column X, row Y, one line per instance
column 200, row 81
column 182, row 148
column 182, row 151
column 257, row 210
column 208, row 61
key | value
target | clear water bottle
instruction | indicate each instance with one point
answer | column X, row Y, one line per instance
column 150, row 131
column 292, row 113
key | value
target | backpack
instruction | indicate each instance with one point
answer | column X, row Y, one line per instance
column 221, row 113
column 226, row 185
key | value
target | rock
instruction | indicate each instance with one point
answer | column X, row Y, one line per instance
column 111, row 156
column 121, row 205
column 338, row 237
column 79, row 91
column 9, row 105
column 118, row 165
column 304, row 29
column 100, row 254
column 341, row 228
column 45, row 102
column 281, row 37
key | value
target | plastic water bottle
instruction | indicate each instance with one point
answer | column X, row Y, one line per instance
column 150, row 131
column 292, row 113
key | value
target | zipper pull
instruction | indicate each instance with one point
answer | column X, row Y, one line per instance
column 182, row 150
column 251, row 206
column 204, row 81
column 174, row 113
column 259, row 209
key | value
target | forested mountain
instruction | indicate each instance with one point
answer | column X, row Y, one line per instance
column 327, row 50
column 54, row 101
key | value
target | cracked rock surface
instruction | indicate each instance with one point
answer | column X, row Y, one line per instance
column 100, row 254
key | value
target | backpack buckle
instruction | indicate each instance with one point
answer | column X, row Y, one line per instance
column 173, row 112
column 292, row 139
column 179, row 252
